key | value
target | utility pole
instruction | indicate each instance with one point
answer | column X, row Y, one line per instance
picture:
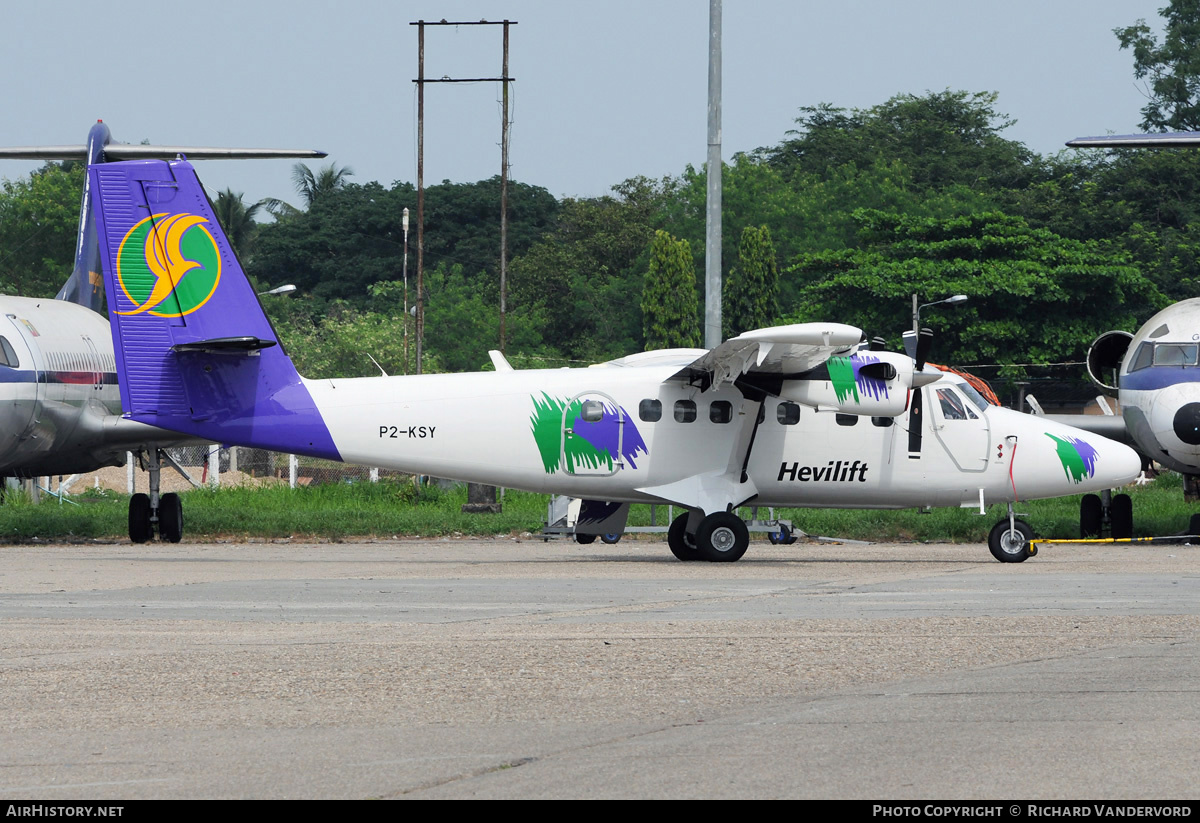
column 421, row 81
column 480, row 498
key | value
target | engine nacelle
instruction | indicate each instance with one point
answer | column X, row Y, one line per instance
column 867, row 383
column 1104, row 359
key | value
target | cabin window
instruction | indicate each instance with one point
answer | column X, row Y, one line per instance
column 788, row 414
column 882, row 422
column 8, row 357
column 721, row 411
column 1175, row 354
column 685, row 411
column 650, row 410
column 846, row 419
column 592, row 411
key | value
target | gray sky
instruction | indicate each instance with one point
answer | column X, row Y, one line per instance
column 604, row 90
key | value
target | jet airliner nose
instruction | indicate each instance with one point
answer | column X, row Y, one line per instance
column 1175, row 421
column 1187, row 424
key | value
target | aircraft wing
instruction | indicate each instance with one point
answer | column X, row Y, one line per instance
column 776, row 351
column 1111, row 426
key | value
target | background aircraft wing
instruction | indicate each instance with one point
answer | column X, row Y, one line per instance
column 1137, row 141
column 778, row 350
column 1111, row 426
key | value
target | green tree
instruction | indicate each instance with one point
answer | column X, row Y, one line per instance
column 584, row 275
column 752, row 288
column 670, row 307
column 1171, row 68
column 1026, row 287
column 237, row 219
column 311, row 185
column 944, row 138
column 39, row 221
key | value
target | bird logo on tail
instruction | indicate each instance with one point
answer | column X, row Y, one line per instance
column 168, row 265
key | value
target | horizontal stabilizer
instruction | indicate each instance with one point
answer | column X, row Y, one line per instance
column 1165, row 140
column 128, row 151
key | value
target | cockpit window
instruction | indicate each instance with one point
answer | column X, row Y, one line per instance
column 953, row 407
column 1175, row 354
column 1144, row 357
column 8, row 357
column 974, row 396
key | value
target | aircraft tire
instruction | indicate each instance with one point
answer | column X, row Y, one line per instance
column 1091, row 516
column 1194, row 524
column 722, row 538
column 1121, row 516
column 170, row 518
column 585, row 539
column 140, row 528
column 1010, row 546
column 782, row 537
column 610, row 539
column 682, row 545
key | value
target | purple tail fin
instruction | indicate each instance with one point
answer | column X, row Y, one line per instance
column 195, row 352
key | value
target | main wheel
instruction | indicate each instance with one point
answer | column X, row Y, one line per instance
column 610, row 539
column 1091, row 516
column 722, row 537
column 585, row 539
column 170, row 518
column 782, row 536
column 1121, row 516
column 1010, row 545
column 683, row 545
column 140, row 528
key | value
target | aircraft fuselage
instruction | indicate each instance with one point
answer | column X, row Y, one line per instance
column 654, row 440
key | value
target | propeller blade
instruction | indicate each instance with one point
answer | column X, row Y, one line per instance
column 924, row 344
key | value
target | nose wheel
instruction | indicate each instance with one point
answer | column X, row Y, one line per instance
column 1009, row 541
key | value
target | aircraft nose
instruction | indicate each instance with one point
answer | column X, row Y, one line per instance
column 1187, row 424
column 1061, row 460
column 1175, row 421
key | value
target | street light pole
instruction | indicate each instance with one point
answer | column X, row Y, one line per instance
column 952, row 301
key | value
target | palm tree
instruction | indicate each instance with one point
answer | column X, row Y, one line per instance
column 311, row 186
column 236, row 218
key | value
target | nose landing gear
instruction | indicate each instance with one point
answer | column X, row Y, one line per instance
column 1009, row 540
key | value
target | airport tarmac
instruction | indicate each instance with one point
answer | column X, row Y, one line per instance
column 517, row 668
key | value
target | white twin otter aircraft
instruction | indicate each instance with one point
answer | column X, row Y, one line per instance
column 801, row 415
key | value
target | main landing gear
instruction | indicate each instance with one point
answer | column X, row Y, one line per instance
column 1098, row 510
column 721, row 537
column 148, row 512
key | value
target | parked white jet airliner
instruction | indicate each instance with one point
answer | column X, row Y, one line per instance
column 799, row 415
column 1155, row 376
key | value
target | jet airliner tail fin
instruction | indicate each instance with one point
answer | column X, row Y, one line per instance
column 84, row 284
column 195, row 351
